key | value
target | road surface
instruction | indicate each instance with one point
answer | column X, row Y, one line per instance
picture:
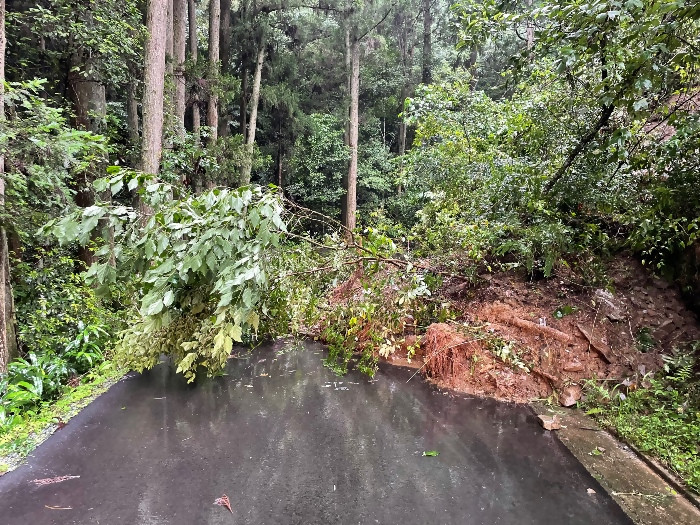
column 291, row 443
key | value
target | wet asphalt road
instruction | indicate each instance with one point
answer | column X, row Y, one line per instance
column 291, row 443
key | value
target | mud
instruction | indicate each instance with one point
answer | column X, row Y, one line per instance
column 616, row 333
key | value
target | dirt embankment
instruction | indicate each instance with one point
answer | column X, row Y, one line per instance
column 517, row 340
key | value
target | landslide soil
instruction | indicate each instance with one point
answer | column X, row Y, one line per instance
column 615, row 333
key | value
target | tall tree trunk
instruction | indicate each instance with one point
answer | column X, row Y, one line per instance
column 244, row 101
column 349, row 219
column 89, row 103
column 169, row 101
column 8, row 340
column 4, row 252
column 154, row 77
column 407, row 47
column 346, row 133
column 226, row 44
column 214, row 51
column 530, row 31
column 348, row 81
column 254, row 101
column 132, row 114
column 179, row 47
column 194, row 56
column 402, row 123
column 427, row 75
column 280, row 175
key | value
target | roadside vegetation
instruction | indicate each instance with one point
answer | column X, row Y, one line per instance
column 351, row 172
column 660, row 415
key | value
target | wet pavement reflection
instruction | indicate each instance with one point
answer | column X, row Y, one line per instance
column 291, row 443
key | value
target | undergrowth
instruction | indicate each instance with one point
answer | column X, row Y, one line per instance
column 384, row 306
column 661, row 417
column 20, row 440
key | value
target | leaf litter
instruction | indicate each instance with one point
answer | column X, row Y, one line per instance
column 51, row 481
column 223, row 501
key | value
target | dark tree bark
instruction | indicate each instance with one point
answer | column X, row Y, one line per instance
column 8, row 339
column 427, row 75
column 4, row 252
column 89, row 103
column 244, row 102
column 132, row 114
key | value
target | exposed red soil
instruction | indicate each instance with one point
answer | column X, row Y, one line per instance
column 602, row 338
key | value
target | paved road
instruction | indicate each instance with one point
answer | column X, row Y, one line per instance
column 290, row 443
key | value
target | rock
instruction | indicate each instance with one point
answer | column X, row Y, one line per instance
column 590, row 491
column 612, row 307
column 596, row 343
column 550, row 422
column 615, row 316
column 570, row 395
column 636, row 302
column 573, row 366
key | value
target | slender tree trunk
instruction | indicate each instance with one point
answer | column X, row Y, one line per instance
column 89, row 103
column 348, row 81
column 280, row 177
column 226, row 43
column 244, row 101
column 254, row 101
column 132, row 114
column 179, row 47
column 4, row 252
column 214, row 51
column 194, row 56
column 349, row 220
column 427, row 75
column 402, row 123
column 169, row 101
column 346, row 134
column 154, row 76
column 169, row 42
column 530, row 31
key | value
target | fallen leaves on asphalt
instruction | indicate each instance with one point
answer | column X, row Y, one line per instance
column 51, row 481
column 223, row 501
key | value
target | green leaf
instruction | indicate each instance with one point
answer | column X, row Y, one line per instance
column 247, row 297
column 237, row 333
column 431, row 453
column 114, row 188
column 168, row 298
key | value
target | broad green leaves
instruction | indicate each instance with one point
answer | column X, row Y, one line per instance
column 199, row 265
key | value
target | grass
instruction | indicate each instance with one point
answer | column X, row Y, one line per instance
column 21, row 439
column 662, row 419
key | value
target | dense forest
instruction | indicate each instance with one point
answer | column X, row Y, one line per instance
column 180, row 176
